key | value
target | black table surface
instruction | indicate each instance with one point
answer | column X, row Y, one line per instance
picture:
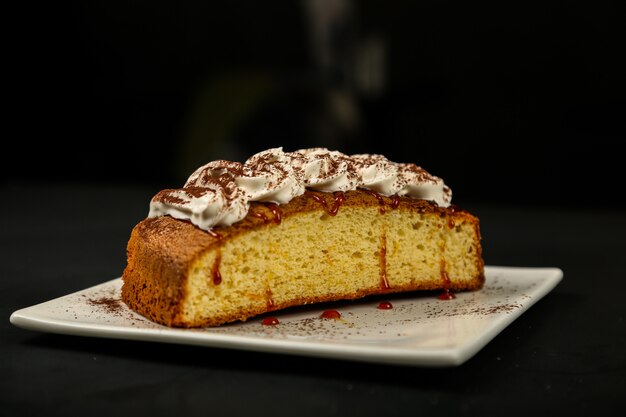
column 566, row 353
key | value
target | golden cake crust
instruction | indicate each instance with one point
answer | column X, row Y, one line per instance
column 162, row 251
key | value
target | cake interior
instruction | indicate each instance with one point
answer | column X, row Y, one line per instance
column 314, row 256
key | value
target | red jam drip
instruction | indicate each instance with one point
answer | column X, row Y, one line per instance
column 270, row 321
column 331, row 314
column 215, row 271
column 277, row 214
column 395, row 200
column 261, row 216
column 385, row 305
column 339, row 197
column 384, row 283
column 320, row 200
column 276, row 211
column 381, row 200
column 269, row 301
column 446, row 294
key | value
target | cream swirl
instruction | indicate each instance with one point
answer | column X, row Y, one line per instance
column 326, row 170
column 219, row 193
column 270, row 176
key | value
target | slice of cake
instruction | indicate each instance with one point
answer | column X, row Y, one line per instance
column 293, row 228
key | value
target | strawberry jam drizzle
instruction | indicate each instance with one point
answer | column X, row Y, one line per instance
column 261, row 216
column 269, row 301
column 277, row 214
column 381, row 200
column 215, row 271
column 339, row 198
column 384, row 283
column 446, row 294
column 395, row 200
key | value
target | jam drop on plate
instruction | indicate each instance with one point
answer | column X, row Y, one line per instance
column 446, row 294
column 331, row 314
column 270, row 321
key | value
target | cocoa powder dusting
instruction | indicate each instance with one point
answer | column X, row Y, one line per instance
column 110, row 304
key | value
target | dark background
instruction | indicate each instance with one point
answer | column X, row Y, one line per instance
column 515, row 102
column 518, row 106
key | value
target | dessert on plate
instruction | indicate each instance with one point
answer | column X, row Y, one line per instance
column 292, row 228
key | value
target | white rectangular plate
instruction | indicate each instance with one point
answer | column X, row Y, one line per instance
column 419, row 330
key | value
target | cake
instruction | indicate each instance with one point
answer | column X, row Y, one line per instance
column 286, row 229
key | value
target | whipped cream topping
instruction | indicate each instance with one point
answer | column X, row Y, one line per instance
column 219, row 193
